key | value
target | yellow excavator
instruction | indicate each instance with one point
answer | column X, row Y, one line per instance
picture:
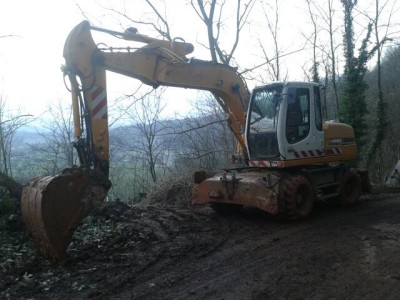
column 289, row 156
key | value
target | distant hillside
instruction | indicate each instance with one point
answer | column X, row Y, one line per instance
column 28, row 136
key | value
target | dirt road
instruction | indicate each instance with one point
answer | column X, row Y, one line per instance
column 169, row 253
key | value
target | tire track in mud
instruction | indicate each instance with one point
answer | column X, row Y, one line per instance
column 239, row 260
column 328, row 250
column 240, row 232
column 239, row 247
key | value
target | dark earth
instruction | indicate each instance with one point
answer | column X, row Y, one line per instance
column 167, row 252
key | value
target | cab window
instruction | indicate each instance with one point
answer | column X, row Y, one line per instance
column 298, row 115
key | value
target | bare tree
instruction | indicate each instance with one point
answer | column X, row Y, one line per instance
column 328, row 17
column 204, row 138
column 158, row 21
column 55, row 149
column 142, row 143
column 211, row 13
column 314, row 38
column 148, row 122
column 9, row 124
column 273, row 62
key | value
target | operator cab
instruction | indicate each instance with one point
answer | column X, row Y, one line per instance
column 285, row 122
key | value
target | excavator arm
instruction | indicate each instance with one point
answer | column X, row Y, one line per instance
column 53, row 206
column 157, row 63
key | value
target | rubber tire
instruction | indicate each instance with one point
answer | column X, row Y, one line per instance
column 226, row 208
column 297, row 196
column 350, row 189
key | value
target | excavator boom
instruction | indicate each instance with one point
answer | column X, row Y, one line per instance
column 53, row 206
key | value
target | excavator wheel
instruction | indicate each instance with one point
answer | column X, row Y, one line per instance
column 350, row 188
column 297, row 196
column 52, row 208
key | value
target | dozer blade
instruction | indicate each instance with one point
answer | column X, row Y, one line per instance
column 52, row 208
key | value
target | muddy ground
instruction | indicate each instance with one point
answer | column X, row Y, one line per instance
column 175, row 253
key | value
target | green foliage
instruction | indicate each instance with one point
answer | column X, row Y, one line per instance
column 15, row 248
column 384, row 128
column 380, row 126
column 315, row 73
column 353, row 106
column 348, row 37
column 381, row 123
column 7, row 206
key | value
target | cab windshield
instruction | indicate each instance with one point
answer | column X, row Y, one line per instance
column 263, row 118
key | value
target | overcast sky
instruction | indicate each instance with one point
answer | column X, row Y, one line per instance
column 31, row 57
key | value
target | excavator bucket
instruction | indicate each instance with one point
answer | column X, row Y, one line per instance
column 52, row 208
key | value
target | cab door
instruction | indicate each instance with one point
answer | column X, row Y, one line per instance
column 301, row 132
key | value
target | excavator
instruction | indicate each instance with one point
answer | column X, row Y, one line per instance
column 288, row 156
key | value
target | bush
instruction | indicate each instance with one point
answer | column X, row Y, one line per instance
column 7, row 206
column 173, row 192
